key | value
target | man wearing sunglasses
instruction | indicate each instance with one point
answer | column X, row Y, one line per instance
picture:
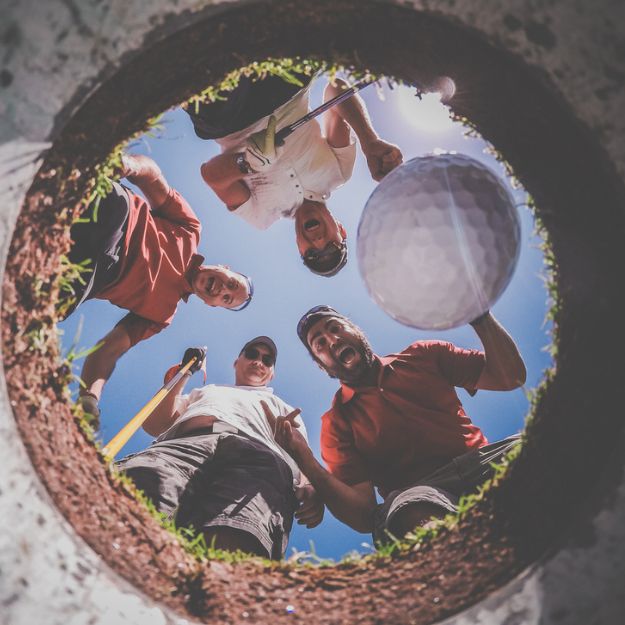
column 216, row 466
column 397, row 424
column 141, row 255
column 261, row 182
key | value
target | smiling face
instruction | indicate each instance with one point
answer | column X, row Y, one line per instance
column 253, row 372
column 316, row 228
column 217, row 285
column 340, row 348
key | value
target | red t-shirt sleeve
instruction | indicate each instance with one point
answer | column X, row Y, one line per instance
column 338, row 450
column 178, row 210
column 460, row 367
column 139, row 328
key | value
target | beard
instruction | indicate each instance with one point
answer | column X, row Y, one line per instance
column 353, row 375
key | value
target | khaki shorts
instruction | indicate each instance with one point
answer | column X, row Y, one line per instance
column 225, row 479
column 445, row 486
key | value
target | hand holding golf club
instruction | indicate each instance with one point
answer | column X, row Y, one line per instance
column 261, row 151
column 194, row 352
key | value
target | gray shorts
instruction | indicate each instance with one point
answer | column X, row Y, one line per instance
column 445, row 486
column 224, row 479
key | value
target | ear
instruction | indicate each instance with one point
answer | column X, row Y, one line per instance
column 342, row 230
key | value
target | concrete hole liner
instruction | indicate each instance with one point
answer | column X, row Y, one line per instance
column 84, row 78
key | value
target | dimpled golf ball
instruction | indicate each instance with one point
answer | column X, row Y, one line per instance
column 438, row 241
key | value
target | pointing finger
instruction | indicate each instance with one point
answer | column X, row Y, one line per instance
column 291, row 416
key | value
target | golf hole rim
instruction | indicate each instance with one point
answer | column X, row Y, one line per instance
column 583, row 272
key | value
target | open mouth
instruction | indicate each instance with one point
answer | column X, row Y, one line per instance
column 210, row 284
column 311, row 224
column 347, row 354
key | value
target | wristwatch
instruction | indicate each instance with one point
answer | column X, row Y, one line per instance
column 242, row 164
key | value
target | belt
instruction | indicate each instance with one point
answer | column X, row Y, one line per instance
column 219, row 427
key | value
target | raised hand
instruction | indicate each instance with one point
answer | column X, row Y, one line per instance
column 261, row 151
column 382, row 157
column 285, row 432
column 199, row 353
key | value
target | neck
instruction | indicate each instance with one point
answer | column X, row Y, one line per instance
column 368, row 377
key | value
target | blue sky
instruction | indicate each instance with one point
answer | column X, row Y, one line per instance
column 285, row 289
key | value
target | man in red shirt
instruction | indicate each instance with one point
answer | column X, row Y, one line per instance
column 142, row 253
column 397, row 423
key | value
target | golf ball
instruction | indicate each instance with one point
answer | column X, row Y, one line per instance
column 438, row 241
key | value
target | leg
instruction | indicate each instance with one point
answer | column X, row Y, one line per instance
column 404, row 510
column 244, row 499
column 414, row 515
column 231, row 539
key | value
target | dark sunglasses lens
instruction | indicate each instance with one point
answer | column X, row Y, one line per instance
column 251, row 353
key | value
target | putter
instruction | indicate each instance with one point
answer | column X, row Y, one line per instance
column 282, row 134
column 123, row 436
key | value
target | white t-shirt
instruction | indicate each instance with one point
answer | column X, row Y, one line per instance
column 240, row 407
column 307, row 166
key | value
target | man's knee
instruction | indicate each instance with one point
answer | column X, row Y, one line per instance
column 414, row 515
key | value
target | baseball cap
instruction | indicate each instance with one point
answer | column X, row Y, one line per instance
column 328, row 261
column 311, row 317
column 250, row 291
column 263, row 340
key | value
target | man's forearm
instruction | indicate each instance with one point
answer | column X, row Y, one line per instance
column 100, row 363
column 163, row 415
column 354, row 112
column 346, row 503
column 146, row 174
column 97, row 369
column 504, row 368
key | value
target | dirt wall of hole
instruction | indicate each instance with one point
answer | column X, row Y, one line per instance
column 46, row 77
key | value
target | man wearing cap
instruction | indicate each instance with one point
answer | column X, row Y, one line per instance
column 261, row 183
column 216, row 466
column 397, row 424
column 142, row 256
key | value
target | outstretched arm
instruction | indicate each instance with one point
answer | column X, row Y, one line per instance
column 99, row 365
column 164, row 415
column 504, row 369
column 146, row 174
column 353, row 505
column 382, row 157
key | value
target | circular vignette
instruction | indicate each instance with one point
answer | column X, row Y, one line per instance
column 557, row 161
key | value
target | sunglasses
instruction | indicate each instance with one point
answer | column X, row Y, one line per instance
column 251, row 353
column 332, row 247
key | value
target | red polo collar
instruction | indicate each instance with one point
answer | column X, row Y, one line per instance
column 347, row 392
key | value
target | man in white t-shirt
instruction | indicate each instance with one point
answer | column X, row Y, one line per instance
column 262, row 184
column 216, row 466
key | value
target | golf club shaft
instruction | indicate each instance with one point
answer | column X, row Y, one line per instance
column 282, row 134
column 122, row 437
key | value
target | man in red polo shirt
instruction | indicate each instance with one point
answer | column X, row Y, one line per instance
column 397, row 423
column 142, row 253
